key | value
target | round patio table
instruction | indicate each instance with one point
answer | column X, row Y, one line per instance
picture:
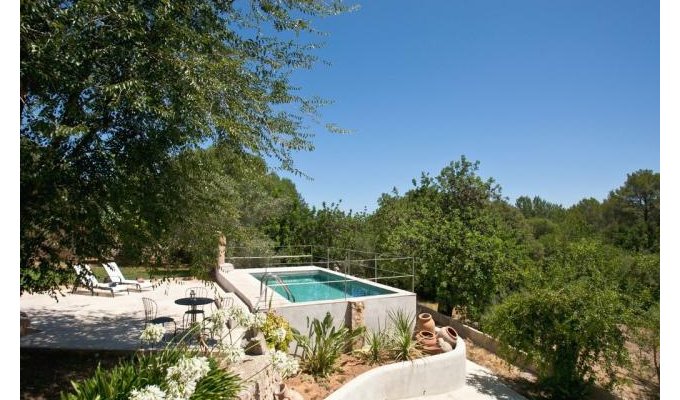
column 193, row 302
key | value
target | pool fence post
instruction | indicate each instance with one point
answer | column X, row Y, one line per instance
column 413, row 275
column 348, row 269
column 375, row 267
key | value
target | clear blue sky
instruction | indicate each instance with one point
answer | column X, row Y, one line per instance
column 555, row 98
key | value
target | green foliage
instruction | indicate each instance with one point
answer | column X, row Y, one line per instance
column 401, row 343
column 584, row 220
column 118, row 98
column 150, row 369
column 539, row 208
column 460, row 233
column 376, row 346
column 273, row 323
column 566, row 332
column 647, row 335
column 632, row 212
column 569, row 318
column 219, row 384
column 115, row 383
column 323, row 345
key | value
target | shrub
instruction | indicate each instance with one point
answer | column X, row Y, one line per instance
column 324, row 344
column 179, row 372
column 567, row 332
column 277, row 332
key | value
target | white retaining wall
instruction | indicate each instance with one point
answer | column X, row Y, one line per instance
column 431, row 375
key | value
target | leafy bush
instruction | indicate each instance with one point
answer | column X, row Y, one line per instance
column 277, row 332
column 566, row 332
column 113, row 384
column 172, row 369
column 324, row 344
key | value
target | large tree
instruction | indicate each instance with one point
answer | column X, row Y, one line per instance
column 460, row 234
column 112, row 92
column 632, row 212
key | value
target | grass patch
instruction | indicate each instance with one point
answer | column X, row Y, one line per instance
column 144, row 272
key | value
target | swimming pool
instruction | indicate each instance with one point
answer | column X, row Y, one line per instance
column 317, row 292
column 318, row 285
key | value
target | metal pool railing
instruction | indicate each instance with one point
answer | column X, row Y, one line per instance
column 390, row 270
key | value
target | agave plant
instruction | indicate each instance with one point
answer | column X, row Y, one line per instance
column 323, row 345
column 376, row 346
column 402, row 345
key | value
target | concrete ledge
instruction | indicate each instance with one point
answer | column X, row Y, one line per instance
column 431, row 375
column 477, row 337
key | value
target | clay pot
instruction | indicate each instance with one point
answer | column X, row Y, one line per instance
column 445, row 346
column 433, row 349
column 426, row 338
column 425, row 323
column 449, row 335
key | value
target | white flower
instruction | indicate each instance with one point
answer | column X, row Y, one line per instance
column 284, row 364
column 151, row 392
column 153, row 333
column 191, row 369
column 219, row 318
column 180, row 390
column 239, row 315
column 232, row 352
column 257, row 320
column 182, row 377
column 280, row 334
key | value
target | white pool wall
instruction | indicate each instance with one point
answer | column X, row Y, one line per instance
column 375, row 307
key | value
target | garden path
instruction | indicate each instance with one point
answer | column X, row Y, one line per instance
column 481, row 384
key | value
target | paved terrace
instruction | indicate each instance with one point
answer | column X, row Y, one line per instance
column 82, row 321
column 101, row 322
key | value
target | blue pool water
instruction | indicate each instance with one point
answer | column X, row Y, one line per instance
column 320, row 285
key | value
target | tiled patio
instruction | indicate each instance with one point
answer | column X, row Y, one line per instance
column 101, row 322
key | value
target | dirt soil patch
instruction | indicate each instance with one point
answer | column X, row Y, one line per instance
column 318, row 389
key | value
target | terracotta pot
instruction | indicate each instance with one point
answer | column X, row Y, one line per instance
column 449, row 335
column 426, row 338
column 433, row 349
column 425, row 323
column 445, row 346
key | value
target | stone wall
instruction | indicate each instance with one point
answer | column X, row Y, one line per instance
column 262, row 381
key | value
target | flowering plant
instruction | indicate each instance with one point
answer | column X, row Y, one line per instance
column 180, row 381
column 153, row 333
column 284, row 364
column 277, row 331
column 151, row 392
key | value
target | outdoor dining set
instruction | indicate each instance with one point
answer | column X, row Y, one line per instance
column 195, row 298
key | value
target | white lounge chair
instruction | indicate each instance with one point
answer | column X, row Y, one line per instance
column 116, row 275
column 88, row 279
